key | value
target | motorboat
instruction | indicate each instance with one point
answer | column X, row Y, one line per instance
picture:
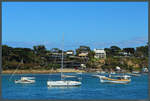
column 102, row 72
column 134, row 74
column 97, row 71
column 79, row 72
column 124, row 79
column 68, row 76
column 26, row 80
column 112, row 72
column 96, row 75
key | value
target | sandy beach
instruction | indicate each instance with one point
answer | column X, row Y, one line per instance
column 39, row 71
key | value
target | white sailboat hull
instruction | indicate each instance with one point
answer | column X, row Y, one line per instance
column 24, row 81
column 63, row 83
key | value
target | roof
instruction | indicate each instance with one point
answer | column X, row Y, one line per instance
column 99, row 50
column 83, row 54
column 69, row 52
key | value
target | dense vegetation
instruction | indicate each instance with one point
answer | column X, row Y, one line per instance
column 41, row 58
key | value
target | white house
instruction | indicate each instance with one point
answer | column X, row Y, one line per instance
column 70, row 53
column 125, row 53
column 100, row 53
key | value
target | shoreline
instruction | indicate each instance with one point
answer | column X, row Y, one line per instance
column 45, row 71
column 40, row 71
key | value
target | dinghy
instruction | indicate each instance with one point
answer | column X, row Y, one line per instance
column 115, row 79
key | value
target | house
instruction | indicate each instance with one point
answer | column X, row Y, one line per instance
column 69, row 53
column 56, row 55
column 125, row 53
column 83, row 51
column 100, row 53
column 83, row 54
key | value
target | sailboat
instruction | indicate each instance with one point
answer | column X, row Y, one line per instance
column 63, row 82
column 23, row 79
column 26, row 80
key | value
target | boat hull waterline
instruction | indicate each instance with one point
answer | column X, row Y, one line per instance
column 24, row 81
column 108, row 80
column 63, row 83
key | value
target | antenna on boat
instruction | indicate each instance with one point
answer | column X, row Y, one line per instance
column 62, row 57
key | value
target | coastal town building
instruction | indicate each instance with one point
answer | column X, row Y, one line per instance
column 83, row 51
column 56, row 55
column 69, row 53
column 100, row 53
column 125, row 53
column 83, row 54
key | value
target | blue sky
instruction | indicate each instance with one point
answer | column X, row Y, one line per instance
column 95, row 24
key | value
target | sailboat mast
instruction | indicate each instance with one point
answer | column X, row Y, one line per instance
column 62, row 56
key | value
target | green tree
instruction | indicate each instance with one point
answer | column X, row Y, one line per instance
column 91, row 54
column 112, row 51
column 142, row 51
column 39, row 50
column 6, row 52
column 129, row 50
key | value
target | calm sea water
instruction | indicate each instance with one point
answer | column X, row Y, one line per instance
column 91, row 88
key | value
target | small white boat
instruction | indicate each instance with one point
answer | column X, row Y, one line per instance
column 98, row 76
column 25, row 80
column 95, row 75
column 134, row 74
column 97, row 71
column 63, row 83
column 117, row 79
column 79, row 72
column 102, row 72
column 112, row 73
column 68, row 76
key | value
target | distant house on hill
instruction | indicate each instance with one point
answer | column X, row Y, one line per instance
column 83, row 51
column 125, row 53
column 100, row 53
column 70, row 53
column 57, row 53
column 83, row 54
